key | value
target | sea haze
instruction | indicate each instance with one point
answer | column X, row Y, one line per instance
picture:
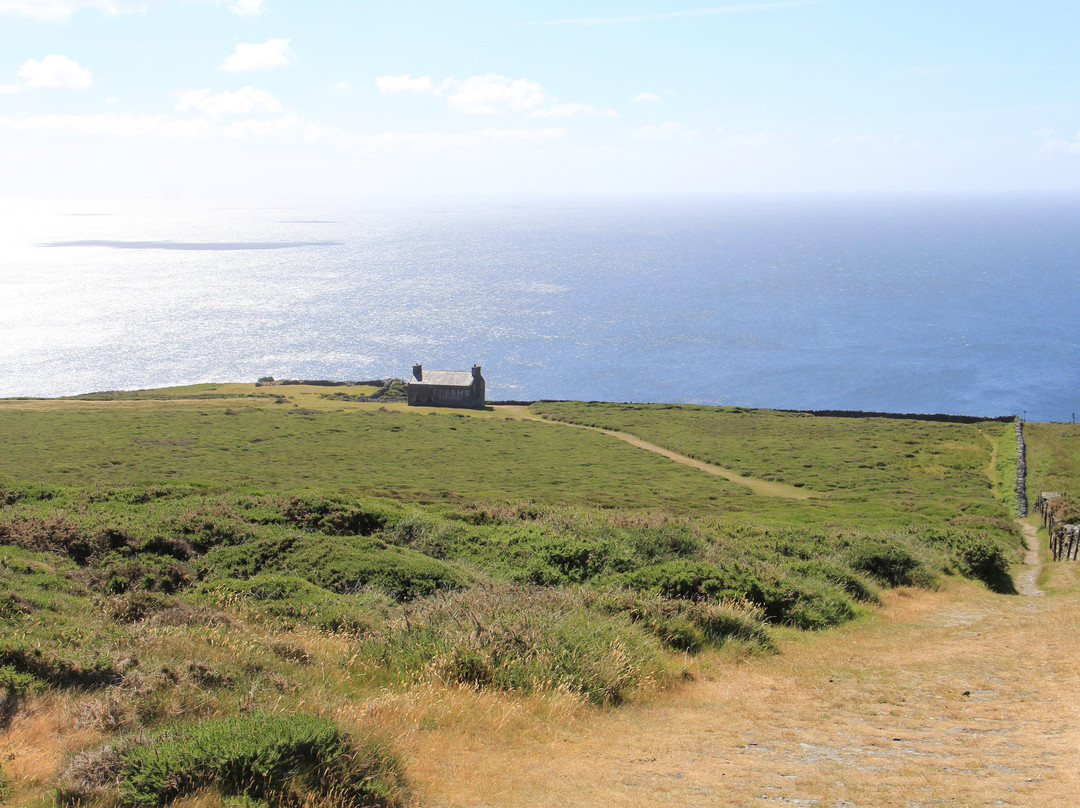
column 903, row 304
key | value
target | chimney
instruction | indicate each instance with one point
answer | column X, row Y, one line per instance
column 418, row 372
column 476, row 371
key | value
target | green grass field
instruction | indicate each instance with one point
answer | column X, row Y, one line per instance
column 1053, row 460
column 437, row 455
column 866, row 469
column 174, row 558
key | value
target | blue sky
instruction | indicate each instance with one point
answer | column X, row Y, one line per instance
column 282, row 98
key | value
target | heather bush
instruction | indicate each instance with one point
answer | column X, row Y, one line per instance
column 279, row 760
column 348, row 564
column 783, row 598
column 688, row 625
column 291, row 601
column 520, row 639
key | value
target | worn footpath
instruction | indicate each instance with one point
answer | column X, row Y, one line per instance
column 951, row 697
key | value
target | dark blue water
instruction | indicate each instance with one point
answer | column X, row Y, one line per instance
column 905, row 304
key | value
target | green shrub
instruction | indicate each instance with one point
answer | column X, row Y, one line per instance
column 782, row 597
column 426, row 533
column 54, row 668
column 204, row 528
column 857, row 584
column 983, row 559
column 890, row 563
column 692, row 580
column 686, row 625
column 337, row 514
column 291, row 600
column 976, row 553
column 522, row 639
column 810, row 605
column 571, row 560
column 282, row 760
column 345, row 564
column 12, row 492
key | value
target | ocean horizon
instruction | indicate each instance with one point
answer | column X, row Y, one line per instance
column 959, row 304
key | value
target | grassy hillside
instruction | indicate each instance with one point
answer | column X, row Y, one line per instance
column 863, row 470
column 1053, row 462
column 183, row 569
column 422, row 456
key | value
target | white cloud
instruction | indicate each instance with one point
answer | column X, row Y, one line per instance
column 652, row 98
column 489, row 94
column 245, row 101
column 570, row 110
column 61, row 10
column 406, row 85
column 435, row 142
column 273, row 53
column 667, row 131
column 55, row 71
column 341, row 88
column 1063, row 146
column 246, row 8
column 263, row 128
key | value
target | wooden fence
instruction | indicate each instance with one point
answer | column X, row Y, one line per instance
column 1064, row 538
column 1065, row 542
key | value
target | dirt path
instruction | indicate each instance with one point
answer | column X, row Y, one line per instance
column 1025, row 580
column 763, row 488
column 958, row 697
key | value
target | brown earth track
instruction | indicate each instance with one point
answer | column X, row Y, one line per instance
column 957, row 697
column 765, row 488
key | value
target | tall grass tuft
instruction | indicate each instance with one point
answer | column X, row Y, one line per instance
column 521, row 639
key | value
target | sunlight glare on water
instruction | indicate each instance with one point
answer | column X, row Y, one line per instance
column 902, row 304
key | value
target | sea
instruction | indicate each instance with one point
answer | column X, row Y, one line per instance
column 959, row 304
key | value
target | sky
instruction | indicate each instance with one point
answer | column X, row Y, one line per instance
column 314, row 98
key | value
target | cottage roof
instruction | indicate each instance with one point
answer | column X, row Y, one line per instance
column 444, row 378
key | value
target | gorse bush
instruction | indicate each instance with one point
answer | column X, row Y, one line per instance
column 973, row 553
column 890, row 561
column 277, row 759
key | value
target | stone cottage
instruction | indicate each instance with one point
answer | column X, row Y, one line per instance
column 446, row 388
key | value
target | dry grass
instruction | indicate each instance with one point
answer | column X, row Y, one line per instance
column 948, row 697
column 955, row 697
column 36, row 742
